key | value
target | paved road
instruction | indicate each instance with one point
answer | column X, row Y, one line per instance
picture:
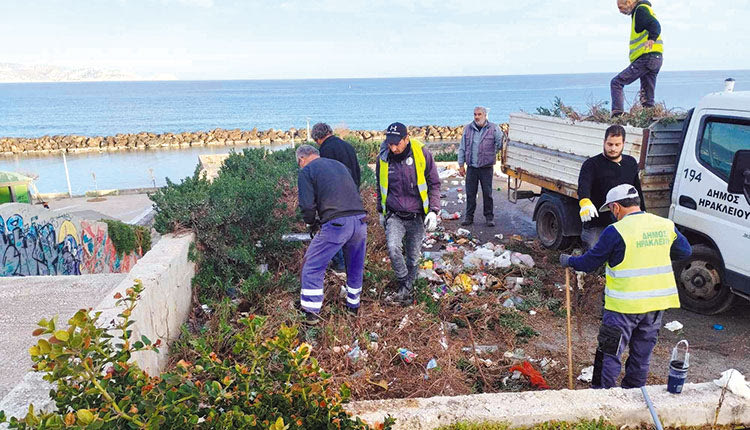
column 131, row 209
column 510, row 218
column 25, row 301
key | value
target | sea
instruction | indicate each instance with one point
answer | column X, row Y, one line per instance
column 108, row 108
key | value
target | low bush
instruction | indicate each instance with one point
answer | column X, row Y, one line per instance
column 127, row 238
column 238, row 220
column 268, row 382
column 446, row 156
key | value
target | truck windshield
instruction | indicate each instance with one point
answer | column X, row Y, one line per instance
column 721, row 139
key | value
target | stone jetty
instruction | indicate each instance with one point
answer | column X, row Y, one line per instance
column 143, row 140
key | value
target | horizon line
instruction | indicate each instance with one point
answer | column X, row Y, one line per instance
column 352, row 78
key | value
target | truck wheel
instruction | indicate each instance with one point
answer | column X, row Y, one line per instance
column 699, row 282
column 549, row 227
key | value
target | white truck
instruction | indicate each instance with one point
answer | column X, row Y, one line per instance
column 696, row 171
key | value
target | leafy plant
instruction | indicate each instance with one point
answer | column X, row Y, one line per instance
column 446, row 156
column 238, row 220
column 127, row 238
column 266, row 382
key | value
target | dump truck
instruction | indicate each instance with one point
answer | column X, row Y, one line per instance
column 694, row 170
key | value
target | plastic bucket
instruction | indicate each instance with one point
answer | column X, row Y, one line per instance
column 678, row 367
column 677, row 375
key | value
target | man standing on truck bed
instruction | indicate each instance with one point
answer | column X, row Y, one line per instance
column 598, row 175
column 646, row 49
column 478, row 149
column 640, row 285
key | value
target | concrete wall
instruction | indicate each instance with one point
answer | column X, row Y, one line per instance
column 694, row 407
column 37, row 242
column 164, row 306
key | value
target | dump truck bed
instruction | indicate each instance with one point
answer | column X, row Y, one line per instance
column 548, row 152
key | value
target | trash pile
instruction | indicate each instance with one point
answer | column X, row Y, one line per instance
column 475, row 306
column 461, row 265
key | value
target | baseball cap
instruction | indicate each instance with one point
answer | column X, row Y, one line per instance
column 394, row 133
column 620, row 192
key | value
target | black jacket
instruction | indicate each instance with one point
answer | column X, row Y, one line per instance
column 326, row 188
column 340, row 150
column 646, row 21
column 599, row 175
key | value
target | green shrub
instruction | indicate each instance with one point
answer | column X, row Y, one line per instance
column 367, row 151
column 446, row 156
column 127, row 238
column 238, row 220
column 268, row 382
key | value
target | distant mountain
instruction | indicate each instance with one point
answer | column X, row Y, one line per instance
column 10, row 72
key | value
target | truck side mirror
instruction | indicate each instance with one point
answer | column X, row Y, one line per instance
column 739, row 177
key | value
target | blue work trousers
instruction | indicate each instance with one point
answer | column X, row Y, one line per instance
column 638, row 332
column 347, row 233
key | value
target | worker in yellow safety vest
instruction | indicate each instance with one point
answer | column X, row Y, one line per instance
column 645, row 54
column 640, row 285
column 408, row 202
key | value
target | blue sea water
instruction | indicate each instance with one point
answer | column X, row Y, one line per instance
column 107, row 108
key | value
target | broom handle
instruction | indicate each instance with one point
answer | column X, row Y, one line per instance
column 570, row 343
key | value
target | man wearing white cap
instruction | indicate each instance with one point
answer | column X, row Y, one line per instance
column 640, row 285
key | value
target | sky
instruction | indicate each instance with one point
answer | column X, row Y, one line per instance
column 298, row 39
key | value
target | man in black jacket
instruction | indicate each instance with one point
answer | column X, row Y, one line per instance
column 342, row 151
column 598, row 175
column 327, row 195
column 645, row 54
column 336, row 149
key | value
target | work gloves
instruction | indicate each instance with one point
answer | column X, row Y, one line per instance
column 313, row 228
column 430, row 221
column 588, row 210
column 564, row 260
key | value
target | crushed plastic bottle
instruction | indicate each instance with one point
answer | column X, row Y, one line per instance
column 406, row 355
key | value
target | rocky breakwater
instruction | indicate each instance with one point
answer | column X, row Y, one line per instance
column 143, row 140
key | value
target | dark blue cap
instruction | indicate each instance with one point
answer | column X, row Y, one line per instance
column 394, row 133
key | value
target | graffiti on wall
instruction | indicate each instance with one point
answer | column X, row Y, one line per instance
column 40, row 248
column 99, row 251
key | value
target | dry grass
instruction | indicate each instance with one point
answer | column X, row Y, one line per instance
column 481, row 319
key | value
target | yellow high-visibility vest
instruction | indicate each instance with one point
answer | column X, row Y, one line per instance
column 420, row 164
column 643, row 281
column 638, row 40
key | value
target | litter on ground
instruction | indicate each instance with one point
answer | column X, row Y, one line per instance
column 587, row 374
column 735, row 382
column 673, row 326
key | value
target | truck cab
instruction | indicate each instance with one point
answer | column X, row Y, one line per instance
column 710, row 203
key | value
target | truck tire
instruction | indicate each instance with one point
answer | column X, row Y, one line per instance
column 700, row 282
column 549, row 226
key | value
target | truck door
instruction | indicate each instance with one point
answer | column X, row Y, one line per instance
column 701, row 202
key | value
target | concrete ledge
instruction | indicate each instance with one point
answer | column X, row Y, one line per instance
column 164, row 306
column 694, row 407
